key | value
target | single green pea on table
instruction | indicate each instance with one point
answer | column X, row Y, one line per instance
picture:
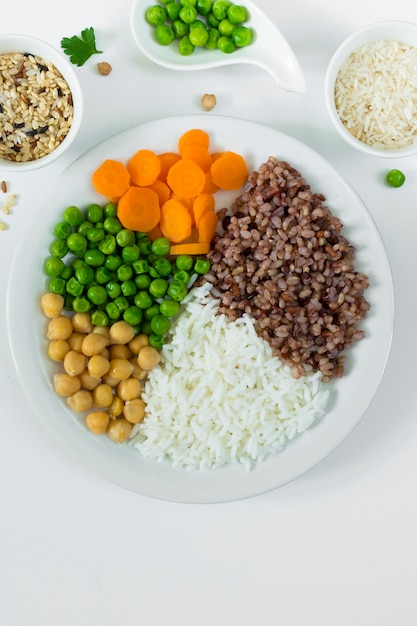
column 203, row 24
column 115, row 273
column 395, row 178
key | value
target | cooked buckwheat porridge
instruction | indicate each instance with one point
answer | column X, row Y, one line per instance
column 36, row 108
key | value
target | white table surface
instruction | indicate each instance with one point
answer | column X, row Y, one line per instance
column 336, row 546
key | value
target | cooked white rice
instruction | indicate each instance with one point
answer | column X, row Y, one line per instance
column 376, row 94
column 220, row 395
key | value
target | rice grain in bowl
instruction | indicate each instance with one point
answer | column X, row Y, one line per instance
column 371, row 89
column 40, row 103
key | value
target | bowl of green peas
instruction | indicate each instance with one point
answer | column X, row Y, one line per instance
column 201, row 34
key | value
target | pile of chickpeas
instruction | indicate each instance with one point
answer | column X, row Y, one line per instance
column 103, row 368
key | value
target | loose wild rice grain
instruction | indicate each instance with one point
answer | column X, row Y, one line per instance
column 36, row 108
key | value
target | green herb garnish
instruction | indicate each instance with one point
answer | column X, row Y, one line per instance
column 80, row 49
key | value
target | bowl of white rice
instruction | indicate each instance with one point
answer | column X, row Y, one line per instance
column 371, row 89
column 41, row 104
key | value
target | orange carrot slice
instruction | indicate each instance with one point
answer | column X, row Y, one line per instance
column 193, row 136
column 111, row 179
column 202, row 203
column 209, row 186
column 199, row 154
column 162, row 190
column 190, row 248
column 186, row 178
column 175, row 221
column 138, row 209
column 155, row 232
column 229, row 171
column 167, row 159
column 207, row 226
column 144, row 167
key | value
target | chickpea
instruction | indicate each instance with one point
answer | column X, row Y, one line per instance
column 116, row 407
column 87, row 381
column 208, row 101
column 59, row 328
column 76, row 341
column 106, row 353
column 81, row 323
column 134, row 410
column 97, row 422
column 98, row 366
column 137, row 371
column 94, row 343
column 129, row 389
column 148, row 357
column 109, row 380
column 138, row 342
column 119, row 430
column 66, row 385
column 101, row 330
column 120, row 351
column 74, row 363
column 57, row 350
column 120, row 369
column 52, row 304
column 81, row 401
column 121, row 332
column 102, row 395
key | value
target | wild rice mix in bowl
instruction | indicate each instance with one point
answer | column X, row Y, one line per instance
column 36, row 108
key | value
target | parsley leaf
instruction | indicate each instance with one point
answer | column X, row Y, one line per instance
column 80, row 49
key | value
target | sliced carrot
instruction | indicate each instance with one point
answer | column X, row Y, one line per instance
column 167, row 159
column 199, row 154
column 138, row 209
column 144, row 167
column 175, row 221
column 188, row 202
column 229, row 171
column 155, row 232
column 111, row 179
column 193, row 136
column 207, row 226
column 190, row 248
column 216, row 155
column 202, row 203
column 162, row 190
column 209, row 186
column 186, row 178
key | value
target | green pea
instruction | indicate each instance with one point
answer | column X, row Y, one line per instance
column 177, row 290
column 173, row 10
column 169, row 308
column 102, row 275
column 73, row 216
column 130, row 253
column 66, row 272
column 128, row 288
column 53, row 266
column 95, row 235
column 94, row 213
column 220, row 8
column 140, row 266
column 180, row 29
column 226, row 27
column 112, row 262
column 59, row 248
column 191, row 3
column 156, row 341
column 74, row 287
column 156, row 15
column 110, row 209
column 158, row 287
column 125, row 237
column 164, row 34
column 133, row 315
column 242, row 36
column 57, row 285
column 68, row 302
column 108, row 244
column 81, row 304
column 143, row 300
column 113, row 289
column 237, row 14
column 124, row 272
column 84, row 227
column 97, row 294
column 188, row 14
column 84, row 274
column 213, row 37
column 197, row 24
column 161, row 246
column 77, row 243
column 112, row 225
column 62, row 230
column 163, row 267
column 112, row 310
column 122, row 303
column 395, row 178
column 202, row 266
column 160, row 324
column 204, row 6
column 226, row 44
column 142, row 281
column 184, row 262
column 182, row 276
column 94, row 257
column 151, row 311
column 145, row 245
column 185, row 47
column 212, row 22
column 198, row 37
column 99, row 318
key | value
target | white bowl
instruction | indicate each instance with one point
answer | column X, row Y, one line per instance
column 401, row 32
column 268, row 50
column 32, row 45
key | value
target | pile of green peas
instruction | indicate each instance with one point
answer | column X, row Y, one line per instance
column 115, row 273
column 206, row 24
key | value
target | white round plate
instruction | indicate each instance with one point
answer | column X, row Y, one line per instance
column 121, row 464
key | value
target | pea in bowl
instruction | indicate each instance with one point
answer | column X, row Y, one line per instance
column 257, row 40
column 371, row 89
column 41, row 104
